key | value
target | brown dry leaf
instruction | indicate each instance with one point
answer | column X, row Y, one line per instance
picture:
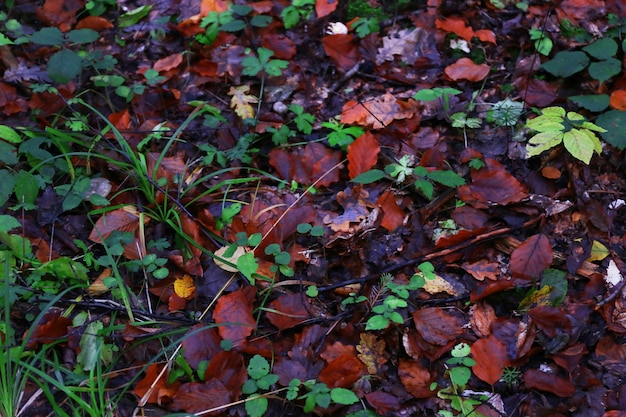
column 97, row 23
column 457, row 26
column 492, row 185
column 491, row 358
column 376, row 113
column 466, row 69
column 241, row 101
column 50, row 329
column 343, row 50
column 194, row 397
column 233, row 314
column 550, row 382
column 403, row 43
column 325, row 7
column 482, row 269
column 200, row 343
column 343, row 372
column 98, row 287
column 160, row 392
column 59, row 13
column 168, row 63
column 438, row 326
column 288, row 310
column 383, row 402
column 307, row 165
column 362, row 154
column 531, row 258
column 393, row 215
column 415, row 377
column 125, row 219
column 372, row 352
column 482, row 315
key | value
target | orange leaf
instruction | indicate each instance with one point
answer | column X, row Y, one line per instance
column 490, row 185
column 159, row 390
column 96, row 23
column 465, row 69
column 343, row 50
column 169, row 62
column 325, row 7
column 125, row 219
column 393, row 215
column 531, row 258
column 184, row 287
column 486, row 35
column 52, row 327
column 343, row 371
column 415, row 377
column 457, row 26
column 290, row 311
column 618, row 100
column 550, row 382
column 491, row 358
column 377, row 113
column 354, row 112
column 362, row 154
column 233, row 314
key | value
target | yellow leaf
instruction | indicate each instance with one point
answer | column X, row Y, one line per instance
column 184, row 287
column 439, row 285
column 241, row 101
column 598, row 252
column 98, row 287
column 372, row 352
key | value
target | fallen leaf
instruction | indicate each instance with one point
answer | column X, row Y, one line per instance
column 200, row 343
column 184, row 287
column 492, row 185
column 383, row 402
column 466, row 69
column 325, row 7
column 457, row 26
column 288, row 310
column 415, row 377
column 618, row 100
column 491, row 358
column 343, row 50
column 194, row 397
column 550, row 382
column 241, row 100
column 97, row 23
column 233, row 315
column 169, row 62
column 160, row 391
column 438, row 326
column 372, row 352
column 342, row 372
column 362, row 154
column 482, row 269
column 531, row 258
column 50, row 329
column 482, row 315
column 393, row 215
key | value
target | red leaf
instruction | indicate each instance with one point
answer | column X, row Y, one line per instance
column 491, row 358
column 125, row 219
column 416, row 378
column 195, row 397
column 52, row 327
column 342, row 50
column 291, row 311
column 228, row 367
column 486, row 35
column 59, row 13
column 362, row 154
column 200, row 345
column 383, row 402
column 393, row 215
column 343, row 372
column 438, row 326
column 308, row 164
column 492, row 184
column 482, row 269
column 160, row 391
column 466, row 69
column 233, row 314
column 97, row 23
column 283, row 47
column 550, row 382
column 325, row 7
column 457, row 26
column 531, row 258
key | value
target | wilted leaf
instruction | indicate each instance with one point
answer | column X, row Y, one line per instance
column 482, row 269
column 233, row 314
column 194, row 397
column 492, row 185
column 125, row 219
column 393, row 215
column 438, row 326
column 184, row 287
column 383, row 402
column 160, row 392
column 376, row 113
column 200, row 343
column 550, row 382
column 308, row 164
column 415, row 377
column 52, row 327
column 342, row 372
column 403, row 43
column 342, row 50
column 457, row 26
column 531, row 258
column 362, row 154
column 372, row 352
column 241, row 101
column 491, row 358
column 466, row 69
column 288, row 310
column 169, row 62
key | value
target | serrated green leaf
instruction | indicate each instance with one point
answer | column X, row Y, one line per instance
column 258, row 367
column 542, row 142
column 48, row 36
column 447, row 178
column 80, row 36
column 26, row 188
column 64, row 66
column 566, row 63
column 426, row 187
column 6, row 186
column 603, row 48
column 256, row 407
column 369, row 177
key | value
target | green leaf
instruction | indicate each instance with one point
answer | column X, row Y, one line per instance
column 258, row 367
column 8, row 153
column 26, row 188
column 248, row 265
column 267, row 381
column 89, row 344
column 603, row 48
column 233, row 26
column 595, row 103
column 460, row 350
column 6, row 186
column 605, row 70
column 132, row 17
column 614, row 121
column 343, row 396
column 377, row 323
column 48, row 36
column 566, row 63
column 260, row 21
column 460, row 375
column 9, row 134
column 580, row 144
column 256, row 407
column 542, row 142
column 447, row 178
column 369, row 177
column 107, row 80
column 4, row 40
column 507, row 112
column 312, row 291
column 64, row 66
column 8, row 223
column 80, row 36
column 290, row 16
column 425, row 187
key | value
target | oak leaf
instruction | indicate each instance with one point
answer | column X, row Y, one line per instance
column 371, row 352
column 241, row 100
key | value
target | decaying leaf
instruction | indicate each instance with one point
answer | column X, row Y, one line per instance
column 531, row 258
column 241, row 101
column 371, row 352
column 233, row 314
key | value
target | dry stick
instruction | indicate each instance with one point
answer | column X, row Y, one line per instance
column 444, row 252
